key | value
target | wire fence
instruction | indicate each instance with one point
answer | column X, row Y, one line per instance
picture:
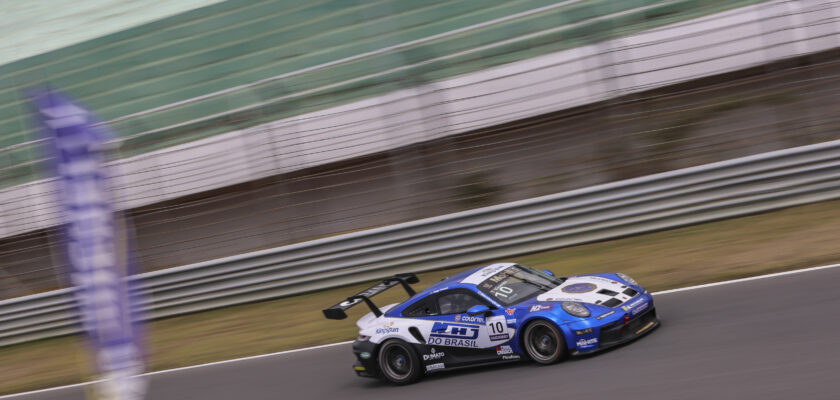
column 640, row 91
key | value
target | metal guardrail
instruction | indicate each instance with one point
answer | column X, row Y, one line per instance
column 666, row 200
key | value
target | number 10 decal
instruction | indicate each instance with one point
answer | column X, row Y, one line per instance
column 497, row 328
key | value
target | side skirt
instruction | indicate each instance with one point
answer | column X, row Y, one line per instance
column 445, row 358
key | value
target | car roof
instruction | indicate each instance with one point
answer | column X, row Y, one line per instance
column 465, row 280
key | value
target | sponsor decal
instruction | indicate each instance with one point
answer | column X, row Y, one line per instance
column 433, row 355
column 558, row 299
column 449, row 334
column 348, row 303
column 511, row 321
column 510, row 311
column 445, row 329
column 583, row 331
column 579, row 288
column 498, row 271
column 364, row 355
column 639, row 309
column 633, row 304
column 511, row 357
column 432, row 367
column 358, row 368
column 502, row 350
column 600, row 278
column 501, row 336
column 468, row 318
column 586, row 342
column 452, row 342
column 540, row 307
column 387, row 328
column 644, row 328
column 607, row 314
column 367, row 293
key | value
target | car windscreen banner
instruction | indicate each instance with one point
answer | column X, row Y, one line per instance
column 96, row 247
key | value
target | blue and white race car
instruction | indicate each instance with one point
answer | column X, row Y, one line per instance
column 497, row 313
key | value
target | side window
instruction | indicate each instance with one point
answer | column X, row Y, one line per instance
column 457, row 302
column 422, row 308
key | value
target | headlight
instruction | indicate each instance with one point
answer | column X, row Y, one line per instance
column 362, row 338
column 576, row 309
column 628, row 279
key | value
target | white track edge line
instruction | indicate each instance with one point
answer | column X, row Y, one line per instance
column 74, row 385
column 244, row 358
column 13, row 395
column 752, row 278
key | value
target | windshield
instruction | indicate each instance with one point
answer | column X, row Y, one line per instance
column 517, row 283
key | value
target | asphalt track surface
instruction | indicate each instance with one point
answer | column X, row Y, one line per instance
column 775, row 338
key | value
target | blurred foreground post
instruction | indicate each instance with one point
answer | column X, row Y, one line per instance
column 97, row 252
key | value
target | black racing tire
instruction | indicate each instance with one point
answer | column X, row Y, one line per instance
column 543, row 342
column 399, row 362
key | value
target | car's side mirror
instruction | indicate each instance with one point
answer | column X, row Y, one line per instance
column 480, row 309
column 547, row 272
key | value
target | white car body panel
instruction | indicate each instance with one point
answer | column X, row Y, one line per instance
column 584, row 289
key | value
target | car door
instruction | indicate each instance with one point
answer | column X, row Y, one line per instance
column 462, row 337
column 455, row 327
column 450, row 335
column 441, row 319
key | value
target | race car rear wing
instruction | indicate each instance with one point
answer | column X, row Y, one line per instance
column 337, row 311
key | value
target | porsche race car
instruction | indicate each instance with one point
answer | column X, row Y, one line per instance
column 502, row 312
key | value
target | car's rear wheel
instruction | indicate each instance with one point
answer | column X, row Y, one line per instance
column 399, row 363
column 543, row 342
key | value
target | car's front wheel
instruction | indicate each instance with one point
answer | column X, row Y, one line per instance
column 399, row 363
column 543, row 342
